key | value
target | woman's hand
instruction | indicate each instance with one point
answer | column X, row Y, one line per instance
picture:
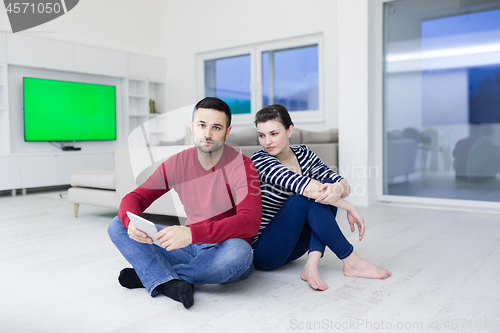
column 330, row 193
column 327, row 193
column 354, row 217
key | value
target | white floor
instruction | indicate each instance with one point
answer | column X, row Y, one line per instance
column 59, row 274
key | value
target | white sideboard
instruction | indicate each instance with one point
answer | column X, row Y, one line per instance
column 20, row 171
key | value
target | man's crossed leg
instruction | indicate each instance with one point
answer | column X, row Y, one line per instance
column 173, row 273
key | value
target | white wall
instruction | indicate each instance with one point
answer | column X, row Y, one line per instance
column 126, row 25
column 356, row 118
column 190, row 27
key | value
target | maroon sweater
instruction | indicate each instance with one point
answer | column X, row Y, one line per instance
column 220, row 203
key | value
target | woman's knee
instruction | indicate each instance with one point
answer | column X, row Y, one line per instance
column 297, row 200
column 324, row 207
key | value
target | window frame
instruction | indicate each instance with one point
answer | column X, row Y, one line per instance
column 255, row 51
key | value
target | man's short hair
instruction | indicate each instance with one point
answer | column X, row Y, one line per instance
column 214, row 103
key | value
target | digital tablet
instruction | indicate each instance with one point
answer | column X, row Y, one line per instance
column 145, row 226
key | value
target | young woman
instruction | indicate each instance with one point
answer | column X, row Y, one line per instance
column 300, row 197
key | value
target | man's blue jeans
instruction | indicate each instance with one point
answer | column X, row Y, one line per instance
column 199, row 264
column 299, row 226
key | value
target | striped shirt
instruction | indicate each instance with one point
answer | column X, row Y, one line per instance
column 277, row 182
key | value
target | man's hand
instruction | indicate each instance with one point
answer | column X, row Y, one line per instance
column 174, row 237
column 355, row 218
column 138, row 235
column 330, row 193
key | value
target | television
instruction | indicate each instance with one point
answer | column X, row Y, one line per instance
column 68, row 111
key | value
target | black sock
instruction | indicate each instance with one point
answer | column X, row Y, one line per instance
column 128, row 278
column 179, row 290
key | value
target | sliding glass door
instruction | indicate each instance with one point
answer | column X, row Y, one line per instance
column 442, row 99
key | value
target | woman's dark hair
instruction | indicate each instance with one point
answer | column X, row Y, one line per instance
column 214, row 103
column 275, row 111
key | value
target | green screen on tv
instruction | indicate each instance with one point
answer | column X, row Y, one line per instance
column 68, row 111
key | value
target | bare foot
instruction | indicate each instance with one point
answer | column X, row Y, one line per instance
column 310, row 273
column 355, row 266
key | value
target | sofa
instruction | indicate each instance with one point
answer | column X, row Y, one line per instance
column 324, row 143
column 134, row 165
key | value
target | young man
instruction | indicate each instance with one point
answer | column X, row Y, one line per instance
column 223, row 211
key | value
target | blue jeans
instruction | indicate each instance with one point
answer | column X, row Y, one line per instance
column 299, row 226
column 199, row 264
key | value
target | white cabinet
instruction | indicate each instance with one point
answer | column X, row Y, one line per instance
column 3, row 47
column 22, row 50
column 99, row 61
column 38, row 52
column 100, row 161
column 10, row 173
column 4, row 111
column 146, row 67
column 51, row 169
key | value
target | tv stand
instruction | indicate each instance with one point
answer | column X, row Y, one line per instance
column 30, row 170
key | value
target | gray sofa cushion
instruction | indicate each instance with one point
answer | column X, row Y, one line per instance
column 179, row 142
column 327, row 152
column 328, row 136
column 248, row 150
column 249, row 137
column 246, row 137
column 296, row 138
column 94, row 178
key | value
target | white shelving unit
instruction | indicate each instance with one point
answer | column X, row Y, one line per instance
column 4, row 111
column 140, row 92
column 137, row 103
column 139, row 78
